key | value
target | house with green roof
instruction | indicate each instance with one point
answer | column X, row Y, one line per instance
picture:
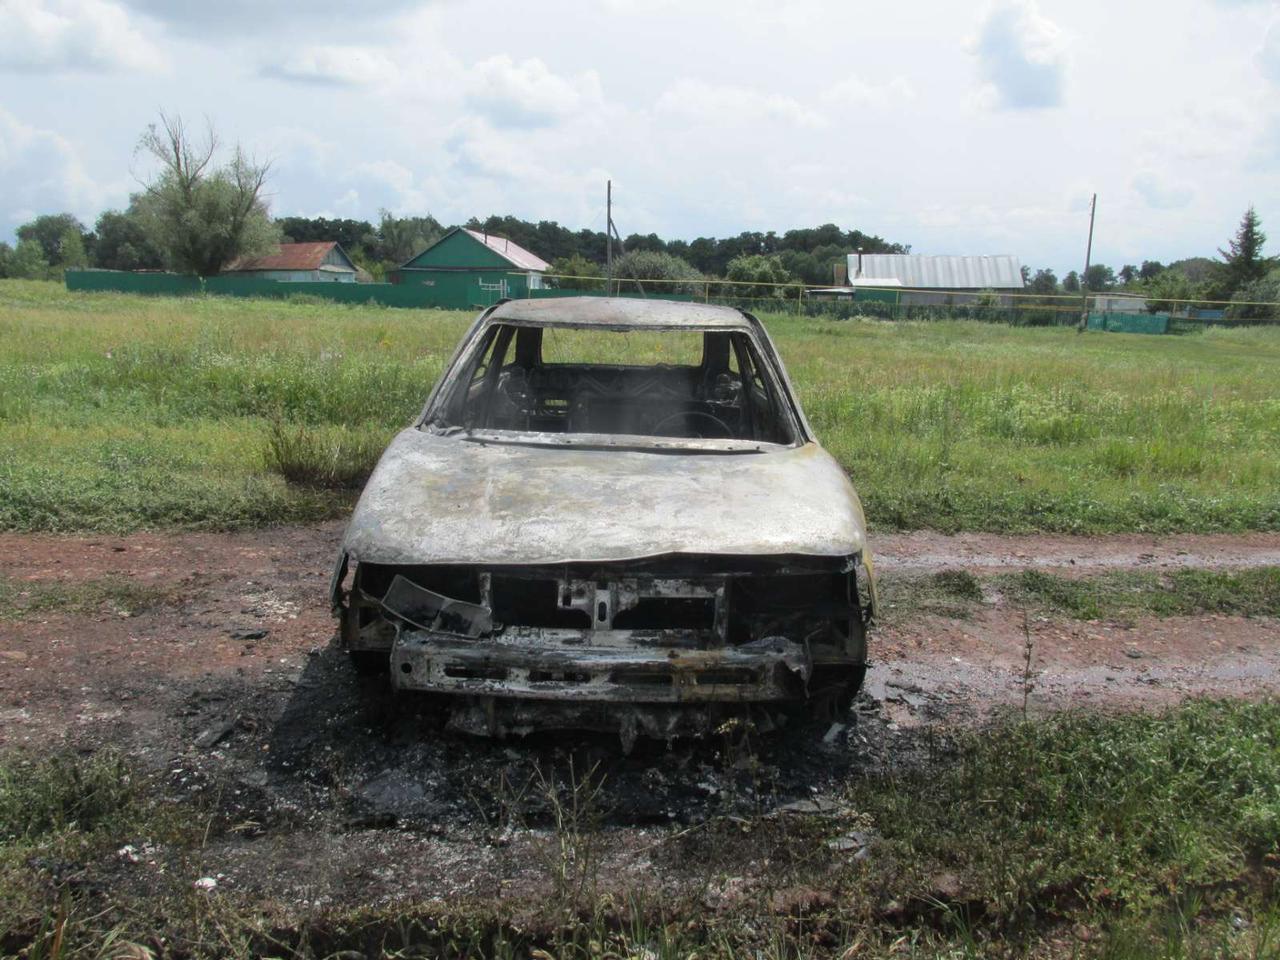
column 469, row 268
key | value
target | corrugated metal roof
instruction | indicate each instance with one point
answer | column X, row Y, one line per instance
column 516, row 254
column 289, row 256
column 920, row 272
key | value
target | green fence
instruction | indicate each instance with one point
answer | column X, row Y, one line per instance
column 172, row 284
column 456, row 292
column 1130, row 322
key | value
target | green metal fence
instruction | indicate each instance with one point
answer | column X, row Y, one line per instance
column 460, row 291
column 1130, row 322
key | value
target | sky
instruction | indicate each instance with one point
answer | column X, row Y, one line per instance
column 958, row 128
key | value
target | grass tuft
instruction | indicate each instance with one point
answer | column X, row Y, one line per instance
column 117, row 596
column 324, row 458
column 1126, row 594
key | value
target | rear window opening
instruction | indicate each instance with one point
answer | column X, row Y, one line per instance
column 693, row 384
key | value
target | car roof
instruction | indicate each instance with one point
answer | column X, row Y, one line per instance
column 620, row 312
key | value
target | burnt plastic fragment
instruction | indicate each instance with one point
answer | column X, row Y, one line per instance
column 434, row 612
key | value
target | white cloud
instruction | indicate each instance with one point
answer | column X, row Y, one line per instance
column 343, row 66
column 44, row 174
column 1161, row 191
column 526, row 93
column 237, row 17
column 52, row 35
column 1021, row 57
column 854, row 91
column 705, row 102
column 1269, row 56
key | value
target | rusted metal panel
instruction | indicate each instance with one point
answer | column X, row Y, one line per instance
column 768, row 670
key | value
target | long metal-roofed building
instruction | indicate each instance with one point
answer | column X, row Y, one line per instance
column 912, row 279
column 469, row 268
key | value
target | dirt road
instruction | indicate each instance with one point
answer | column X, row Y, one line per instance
column 225, row 682
column 251, row 607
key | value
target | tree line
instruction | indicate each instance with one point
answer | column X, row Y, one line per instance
column 198, row 214
column 1243, row 281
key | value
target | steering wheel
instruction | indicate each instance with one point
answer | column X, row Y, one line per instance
column 726, row 431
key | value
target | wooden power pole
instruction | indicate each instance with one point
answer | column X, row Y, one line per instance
column 1084, row 277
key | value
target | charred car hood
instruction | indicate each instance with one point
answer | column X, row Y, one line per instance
column 448, row 499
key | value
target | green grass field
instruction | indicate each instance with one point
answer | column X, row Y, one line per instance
column 121, row 412
column 1124, row 837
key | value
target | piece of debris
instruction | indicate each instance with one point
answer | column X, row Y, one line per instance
column 834, row 732
column 205, row 883
column 258, row 633
column 816, row 806
column 857, row 842
column 213, row 735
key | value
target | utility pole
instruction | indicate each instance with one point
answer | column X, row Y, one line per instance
column 608, row 237
column 1084, row 277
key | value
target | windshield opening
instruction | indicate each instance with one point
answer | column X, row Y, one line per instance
column 684, row 384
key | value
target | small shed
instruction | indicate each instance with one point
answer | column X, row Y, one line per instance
column 298, row 262
column 469, row 268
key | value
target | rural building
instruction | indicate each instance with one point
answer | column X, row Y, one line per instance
column 913, row 279
column 296, row 263
column 468, row 268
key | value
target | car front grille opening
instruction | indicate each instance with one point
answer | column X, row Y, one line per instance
column 558, row 676
column 668, row 613
column 475, row 673
column 633, row 678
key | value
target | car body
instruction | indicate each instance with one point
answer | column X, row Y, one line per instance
column 571, row 536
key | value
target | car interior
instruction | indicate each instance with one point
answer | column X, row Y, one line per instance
column 517, row 382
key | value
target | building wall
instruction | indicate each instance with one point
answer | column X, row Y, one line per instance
column 466, row 288
column 295, row 276
column 460, row 250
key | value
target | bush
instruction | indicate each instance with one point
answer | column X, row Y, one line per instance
column 1257, row 300
column 330, row 458
column 680, row 276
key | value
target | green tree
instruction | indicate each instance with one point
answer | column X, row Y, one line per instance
column 1258, row 300
column 579, row 273
column 1243, row 259
column 123, row 242
column 1071, row 282
column 761, row 272
column 1165, row 292
column 51, row 231
column 349, row 233
column 72, row 252
column 1044, row 282
column 201, row 215
column 671, row 274
column 1150, row 269
column 400, row 239
column 6, row 259
column 1099, row 277
column 28, row 262
column 1128, row 274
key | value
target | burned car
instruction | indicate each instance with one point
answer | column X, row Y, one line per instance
column 611, row 514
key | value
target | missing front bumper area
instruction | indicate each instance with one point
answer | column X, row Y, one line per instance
column 772, row 669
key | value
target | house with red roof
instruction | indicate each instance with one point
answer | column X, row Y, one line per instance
column 294, row 262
